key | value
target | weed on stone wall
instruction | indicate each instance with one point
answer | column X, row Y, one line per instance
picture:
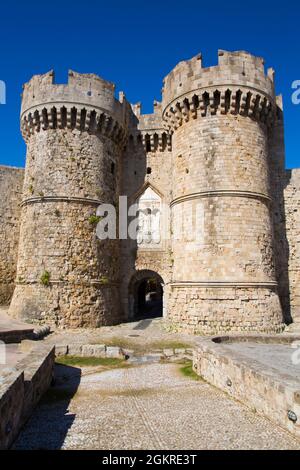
column 45, row 278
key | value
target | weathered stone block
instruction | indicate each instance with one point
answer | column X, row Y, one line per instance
column 114, row 352
column 74, row 349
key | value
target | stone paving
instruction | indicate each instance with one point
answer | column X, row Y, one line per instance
column 274, row 356
column 151, row 406
column 10, row 355
column 143, row 335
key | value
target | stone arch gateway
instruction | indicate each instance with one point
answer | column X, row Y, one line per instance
column 146, row 295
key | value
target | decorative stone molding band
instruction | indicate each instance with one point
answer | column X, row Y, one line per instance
column 222, row 100
column 224, row 284
column 80, row 200
column 152, row 140
column 72, row 116
column 94, row 283
column 221, row 193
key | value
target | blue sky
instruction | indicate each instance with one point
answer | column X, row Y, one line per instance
column 135, row 44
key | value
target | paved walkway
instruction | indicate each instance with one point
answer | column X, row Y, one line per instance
column 145, row 407
column 282, row 358
column 144, row 335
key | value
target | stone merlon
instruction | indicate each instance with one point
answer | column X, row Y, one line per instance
column 234, row 69
column 82, row 90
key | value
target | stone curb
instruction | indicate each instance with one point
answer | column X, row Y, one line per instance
column 104, row 351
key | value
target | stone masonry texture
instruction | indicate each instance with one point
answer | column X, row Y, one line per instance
column 11, row 182
column 212, row 151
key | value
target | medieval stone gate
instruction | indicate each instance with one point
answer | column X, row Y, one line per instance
column 137, row 295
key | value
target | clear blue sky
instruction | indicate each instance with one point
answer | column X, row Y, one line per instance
column 136, row 43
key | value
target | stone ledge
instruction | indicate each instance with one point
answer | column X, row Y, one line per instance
column 16, row 335
column 105, row 351
column 21, row 388
column 264, row 389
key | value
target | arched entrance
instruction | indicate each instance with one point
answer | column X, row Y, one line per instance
column 146, row 291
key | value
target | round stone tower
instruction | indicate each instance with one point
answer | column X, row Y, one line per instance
column 75, row 135
column 220, row 118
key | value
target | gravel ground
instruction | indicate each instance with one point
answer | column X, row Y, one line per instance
column 151, row 406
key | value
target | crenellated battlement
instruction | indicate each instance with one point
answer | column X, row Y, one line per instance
column 86, row 102
column 239, row 77
column 221, row 100
column 149, row 130
column 83, row 119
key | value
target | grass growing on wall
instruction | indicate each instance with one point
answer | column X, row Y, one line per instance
column 94, row 219
column 45, row 278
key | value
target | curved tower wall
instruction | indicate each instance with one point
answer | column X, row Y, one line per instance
column 224, row 279
column 11, row 182
column 75, row 135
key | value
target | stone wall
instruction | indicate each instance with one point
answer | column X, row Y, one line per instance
column 11, row 182
column 277, row 173
column 12, row 389
column 146, row 163
column 63, row 187
column 214, row 145
column 265, row 390
column 21, row 388
column 220, row 120
column 75, row 134
column 292, row 215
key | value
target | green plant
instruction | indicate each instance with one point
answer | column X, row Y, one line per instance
column 94, row 219
column 104, row 280
column 31, row 189
column 188, row 371
column 45, row 278
column 140, row 345
column 99, row 193
column 41, row 194
column 57, row 212
column 170, row 344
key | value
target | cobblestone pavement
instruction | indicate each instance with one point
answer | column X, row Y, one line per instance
column 150, row 406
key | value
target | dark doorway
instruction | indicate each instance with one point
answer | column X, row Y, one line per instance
column 147, row 295
column 149, row 299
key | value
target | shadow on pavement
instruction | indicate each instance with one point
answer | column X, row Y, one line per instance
column 49, row 424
